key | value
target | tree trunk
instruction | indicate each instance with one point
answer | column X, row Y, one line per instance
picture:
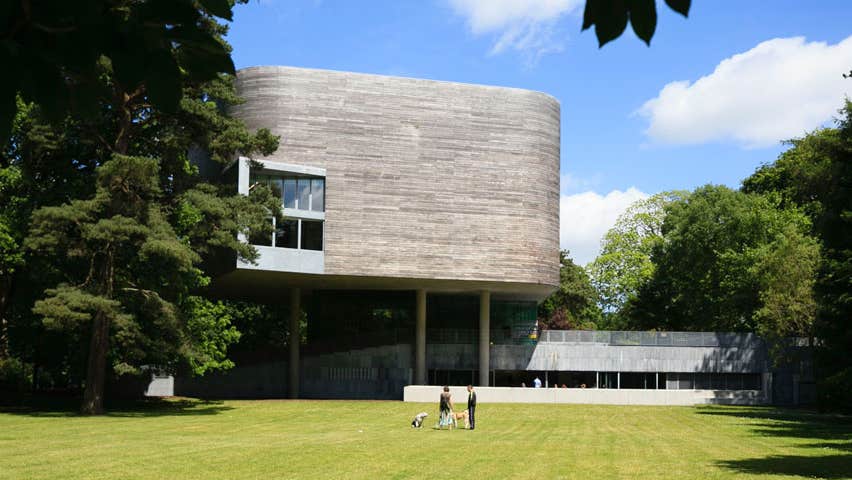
column 93, row 395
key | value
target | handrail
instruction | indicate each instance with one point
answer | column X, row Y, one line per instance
column 655, row 339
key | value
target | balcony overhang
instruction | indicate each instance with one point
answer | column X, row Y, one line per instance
column 267, row 286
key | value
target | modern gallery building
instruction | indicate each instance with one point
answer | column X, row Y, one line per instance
column 415, row 209
column 421, row 229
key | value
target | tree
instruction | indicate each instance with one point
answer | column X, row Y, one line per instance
column 610, row 17
column 34, row 170
column 815, row 175
column 131, row 253
column 56, row 49
column 718, row 247
column 786, row 271
column 575, row 303
column 624, row 263
column 120, row 135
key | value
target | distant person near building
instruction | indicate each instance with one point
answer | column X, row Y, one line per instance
column 471, row 405
column 446, row 408
column 537, row 382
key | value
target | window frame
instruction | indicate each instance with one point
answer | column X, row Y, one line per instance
column 296, row 177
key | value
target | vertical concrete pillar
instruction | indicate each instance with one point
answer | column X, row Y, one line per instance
column 767, row 387
column 420, row 340
column 295, row 340
column 484, row 337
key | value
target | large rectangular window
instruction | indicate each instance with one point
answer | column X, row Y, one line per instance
column 318, row 195
column 287, row 234
column 289, row 193
column 311, row 235
column 298, row 193
column 303, row 194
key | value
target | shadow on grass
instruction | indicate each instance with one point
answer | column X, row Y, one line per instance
column 69, row 407
column 844, row 446
column 832, row 435
column 826, row 466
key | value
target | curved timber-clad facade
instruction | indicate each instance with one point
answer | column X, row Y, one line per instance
column 420, row 231
column 423, row 179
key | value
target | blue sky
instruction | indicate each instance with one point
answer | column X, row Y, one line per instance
column 627, row 129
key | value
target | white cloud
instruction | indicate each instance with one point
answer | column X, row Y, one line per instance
column 585, row 217
column 523, row 25
column 780, row 89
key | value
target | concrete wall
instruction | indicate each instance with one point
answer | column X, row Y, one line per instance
column 268, row 380
column 161, row 386
column 601, row 358
column 384, row 373
column 430, row 394
column 373, row 373
column 611, row 358
column 424, row 179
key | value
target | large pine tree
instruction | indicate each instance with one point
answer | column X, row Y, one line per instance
column 123, row 226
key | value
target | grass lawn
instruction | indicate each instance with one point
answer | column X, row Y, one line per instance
column 187, row 439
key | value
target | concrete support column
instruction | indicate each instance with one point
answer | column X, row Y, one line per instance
column 484, row 337
column 420, row 340
column 767, row 387
column 295, row 340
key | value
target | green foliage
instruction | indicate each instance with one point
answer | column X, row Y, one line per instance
column 149, row 87
column 575, row 303
column 209, row 324
column 15, row 376
column 786, row 269
column 67, row 307
column 815, row 175
column 136, row 265
column 57, row 48
column 610, row 17
column 210, row 220
column 624, row 263
column 718, row 247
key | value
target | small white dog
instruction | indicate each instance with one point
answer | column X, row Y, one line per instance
column 418, row 419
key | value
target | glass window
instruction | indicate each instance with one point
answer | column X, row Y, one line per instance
column 311, row 235
column 685, row 381
column 304, row 191
column 717, row 381
column 702, row 381
column 287, row 234
column 289, row 193
column 752, row 381
column 318, row 195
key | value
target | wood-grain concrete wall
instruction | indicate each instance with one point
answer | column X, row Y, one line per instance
column 425, row 179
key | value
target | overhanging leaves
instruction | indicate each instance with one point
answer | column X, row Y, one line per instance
column 643, row 19
column 610, row 17
column 679, row 6
column 54, row 46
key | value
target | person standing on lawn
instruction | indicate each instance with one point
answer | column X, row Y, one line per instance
column 446, row 408
column 471, row 405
